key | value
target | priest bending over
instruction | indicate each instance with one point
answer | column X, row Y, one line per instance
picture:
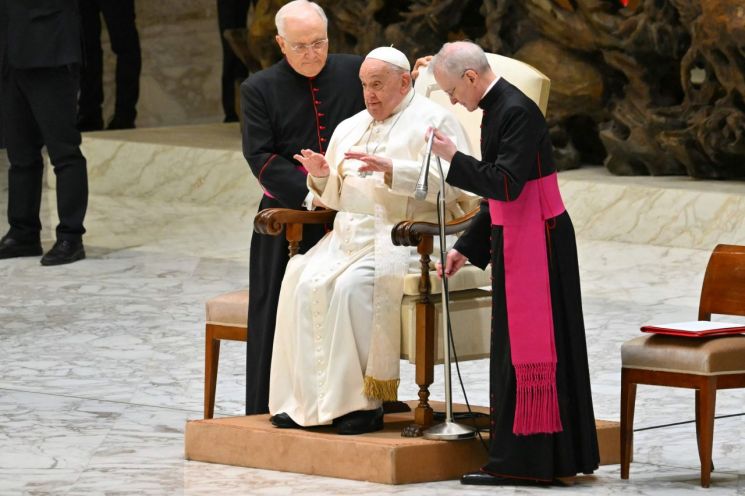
column 337, row 339
column 542, row 420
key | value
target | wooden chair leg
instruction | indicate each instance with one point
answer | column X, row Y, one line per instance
column 628, row 400
column 211, row 361
column 425, row 368
column 706, row 398
column 698, row 429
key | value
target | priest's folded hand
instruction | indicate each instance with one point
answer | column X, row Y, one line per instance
column 313, row 162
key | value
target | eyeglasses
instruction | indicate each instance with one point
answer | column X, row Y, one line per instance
column 452, row 91
column 316, row 46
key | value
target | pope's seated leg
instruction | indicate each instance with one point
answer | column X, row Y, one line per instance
column 322, row 340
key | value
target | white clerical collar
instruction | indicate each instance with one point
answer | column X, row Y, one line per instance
column 488, row 88
column 400, row 107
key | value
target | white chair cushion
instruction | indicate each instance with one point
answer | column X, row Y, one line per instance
column 470, row 319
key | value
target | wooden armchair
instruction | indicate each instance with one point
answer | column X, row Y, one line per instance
column 419, row 344
column 421, row 235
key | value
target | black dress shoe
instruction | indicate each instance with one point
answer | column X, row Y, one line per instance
column 11, row 248
column 118, row 122
column 64, row 251
column 395, row 407
column 283, row 421
column 481, row 478
column 89, row 123
column 360, row 422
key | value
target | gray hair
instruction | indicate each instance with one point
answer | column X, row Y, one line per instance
column 398, row 71
column 290, row 7
column 393, row 67
column 457, row 57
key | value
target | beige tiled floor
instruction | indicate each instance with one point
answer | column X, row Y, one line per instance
column 102, row 360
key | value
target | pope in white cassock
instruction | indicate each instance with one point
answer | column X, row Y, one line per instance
column 337, row 339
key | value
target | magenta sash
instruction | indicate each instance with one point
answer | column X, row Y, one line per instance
column 528, row 294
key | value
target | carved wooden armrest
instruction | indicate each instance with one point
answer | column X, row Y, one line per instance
column 411, row 233
column 271, row 221
column 421, row 234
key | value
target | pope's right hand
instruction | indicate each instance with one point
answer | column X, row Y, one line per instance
column 314, row 163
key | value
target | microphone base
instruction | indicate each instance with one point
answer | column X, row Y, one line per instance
column 450, row 431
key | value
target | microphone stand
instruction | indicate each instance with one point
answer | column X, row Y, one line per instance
column 448, row 430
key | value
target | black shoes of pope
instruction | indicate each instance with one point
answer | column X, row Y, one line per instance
column 481, row 478
column 11, row 248
column 64, row 251
column 283, row 421
column 360, row 422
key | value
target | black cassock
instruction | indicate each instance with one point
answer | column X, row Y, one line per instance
column 516, row 148
column 283, row 113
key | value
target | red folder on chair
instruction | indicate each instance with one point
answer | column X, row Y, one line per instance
column 696, row 328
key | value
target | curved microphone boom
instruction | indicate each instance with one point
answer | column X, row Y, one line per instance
column 420, row 193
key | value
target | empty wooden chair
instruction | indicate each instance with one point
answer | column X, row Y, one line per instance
column 703, row 364
column 226, row 319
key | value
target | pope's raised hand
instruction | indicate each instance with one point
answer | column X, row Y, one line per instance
column 371, row 163
column 314, row 163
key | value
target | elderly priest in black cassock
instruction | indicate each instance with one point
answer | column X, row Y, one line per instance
column 542, row 420
column 293, row 105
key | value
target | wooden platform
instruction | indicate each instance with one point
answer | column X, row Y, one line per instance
column 383, row 457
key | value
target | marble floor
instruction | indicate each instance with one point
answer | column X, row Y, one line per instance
column 102, row 361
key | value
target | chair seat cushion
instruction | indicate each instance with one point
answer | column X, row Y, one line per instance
column 469, row 277
column 470, row 319
column 229, row 309
column 701, row 356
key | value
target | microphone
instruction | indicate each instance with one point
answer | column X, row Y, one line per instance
column 420, row 192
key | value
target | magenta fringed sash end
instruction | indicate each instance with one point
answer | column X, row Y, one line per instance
column 528, row 295
column 537, row 404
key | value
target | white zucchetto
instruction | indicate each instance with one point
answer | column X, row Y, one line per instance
column 390, row 55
